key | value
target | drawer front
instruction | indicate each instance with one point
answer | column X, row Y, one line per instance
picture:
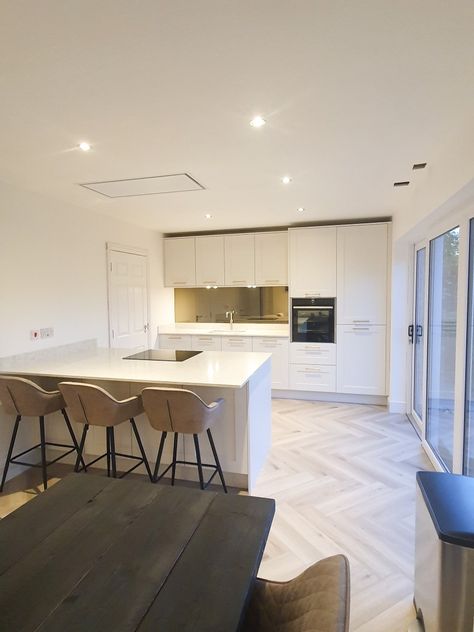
column 175, row 341
column 313, row 378
column 236, row 343
column 268, row 345
column 302, row 353
column 206, row 343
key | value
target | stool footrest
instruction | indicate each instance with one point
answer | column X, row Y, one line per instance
column 179, row 462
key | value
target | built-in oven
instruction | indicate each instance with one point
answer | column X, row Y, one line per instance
column 312, row 319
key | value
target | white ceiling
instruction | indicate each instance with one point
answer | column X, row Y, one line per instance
column 353, row 93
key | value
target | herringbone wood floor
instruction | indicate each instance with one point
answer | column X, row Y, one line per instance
column 343, row 476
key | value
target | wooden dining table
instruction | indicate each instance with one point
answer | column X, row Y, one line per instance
column 95, row 553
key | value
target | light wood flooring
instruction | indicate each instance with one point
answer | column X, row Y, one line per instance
column 343, row 477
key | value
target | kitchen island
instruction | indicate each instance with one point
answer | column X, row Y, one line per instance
column 243, row 379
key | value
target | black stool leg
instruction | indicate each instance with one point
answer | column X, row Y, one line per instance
column 140, row 447
column 112, row 452
column 198, row 459
column 175, row 453
column 216, row 459
column 81, row 448
column 43, row 452
column 73, row 436
column 158, row 458
column 107, row 441
column 10, row 451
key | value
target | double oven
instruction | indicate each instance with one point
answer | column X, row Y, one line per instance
column 313, row 319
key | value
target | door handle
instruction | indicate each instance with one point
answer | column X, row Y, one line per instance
column 410, row 334
column 419, row 331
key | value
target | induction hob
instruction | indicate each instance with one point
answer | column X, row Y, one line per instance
column 163, row 355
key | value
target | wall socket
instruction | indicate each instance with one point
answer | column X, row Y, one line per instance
column 46, row 332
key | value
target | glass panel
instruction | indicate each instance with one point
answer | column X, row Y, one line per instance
column 469, row 403
column 251, row 305
column 418, row 333
column 444, row 257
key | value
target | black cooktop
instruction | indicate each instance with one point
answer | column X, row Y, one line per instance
column 163, row 355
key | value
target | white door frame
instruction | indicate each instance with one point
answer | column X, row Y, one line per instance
column 132, row 250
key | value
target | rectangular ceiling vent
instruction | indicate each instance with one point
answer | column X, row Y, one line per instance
column 152, row 185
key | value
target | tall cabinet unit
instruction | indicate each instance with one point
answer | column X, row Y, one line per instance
column 312, row 261
column 362, row 277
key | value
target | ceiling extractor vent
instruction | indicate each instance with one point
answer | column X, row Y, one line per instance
column 152, row 185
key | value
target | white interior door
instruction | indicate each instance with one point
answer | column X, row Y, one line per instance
column 128, row 299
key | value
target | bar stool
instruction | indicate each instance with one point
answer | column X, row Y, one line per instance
column 24, row 398
column 180, row 411
column 94, row 406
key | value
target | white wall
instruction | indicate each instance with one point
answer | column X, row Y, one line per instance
column 53, row 271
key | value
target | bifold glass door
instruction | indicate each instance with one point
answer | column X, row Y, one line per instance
column 469, row 397
column 442, row 319
column 418, row 336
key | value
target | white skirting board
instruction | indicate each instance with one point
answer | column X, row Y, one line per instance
column 343, row 398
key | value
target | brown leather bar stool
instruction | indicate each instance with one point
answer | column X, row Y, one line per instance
column 183, row 412
column 318, row 599
column 24, row 398
column 94, row 406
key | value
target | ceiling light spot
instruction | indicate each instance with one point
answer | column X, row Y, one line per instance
column 208, row 216
column 84, row 146
column 300, row 209
column 257, row 121
column 402, row 183
column 419, row 165
column 286, row 179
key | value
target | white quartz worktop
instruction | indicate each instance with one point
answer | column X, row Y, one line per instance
column 209, row 368
column 223, row 329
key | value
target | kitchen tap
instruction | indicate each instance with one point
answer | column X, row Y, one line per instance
column 230, row 315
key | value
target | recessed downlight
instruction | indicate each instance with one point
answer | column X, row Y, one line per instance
column 257, row 121
column 286, row 179
column 401, row 183
column 84, row 146
column 300, row 209
column 208, row 216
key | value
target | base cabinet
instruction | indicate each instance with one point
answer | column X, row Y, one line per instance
column 361, row 357
column 278, row 347
column 174, row 341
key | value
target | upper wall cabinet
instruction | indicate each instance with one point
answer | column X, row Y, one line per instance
column 312, row 254
column 271, row 258
column 362, row 274
column 210, row 260
column 239, row 259
column 180, row 266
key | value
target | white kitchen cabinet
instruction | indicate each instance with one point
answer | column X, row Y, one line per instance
column 271, row 258
column 308, row 377
column 312, row 353
column 179, row 262
column 203, row 342
column 210, row 260
column 278, row 347
column 174, row 341
column 236, row 343
column 362, row 255
column 239, row 259
column 361, row 357
column 312, row 261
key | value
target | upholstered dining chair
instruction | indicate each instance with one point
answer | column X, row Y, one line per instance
column 181, row 411
column 318, row 600
column 92, row 405
column 23, row 398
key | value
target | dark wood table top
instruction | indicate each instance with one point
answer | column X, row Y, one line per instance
column 93, row 553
